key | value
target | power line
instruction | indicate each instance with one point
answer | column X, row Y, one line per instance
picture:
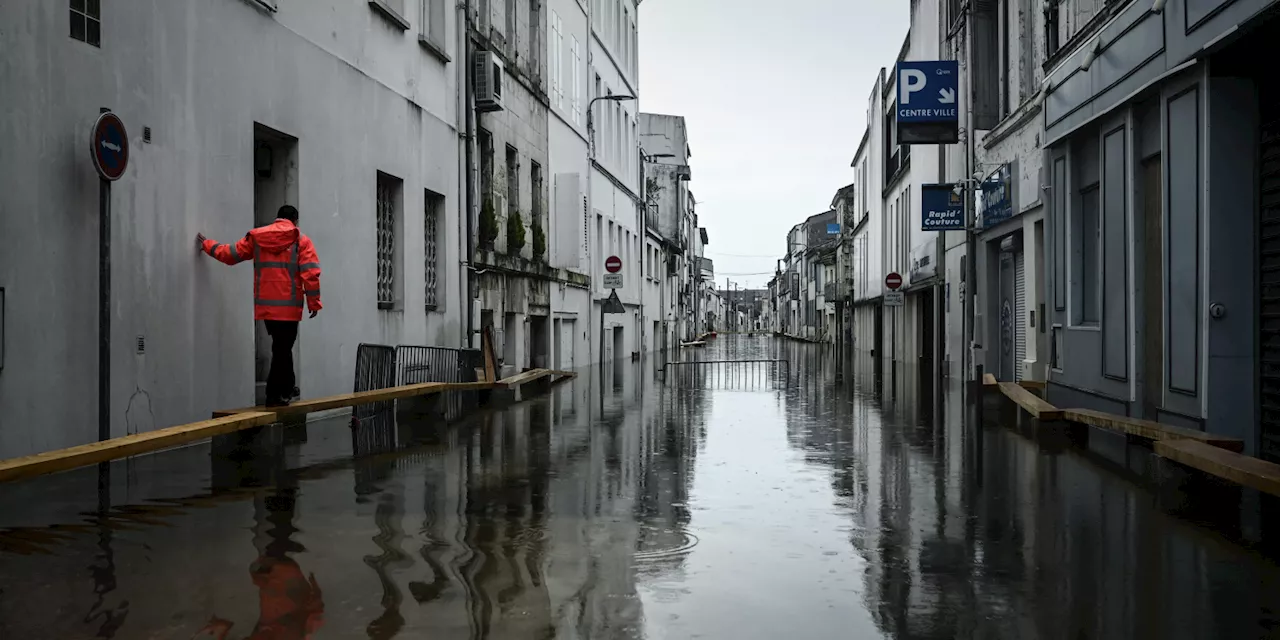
column 741, row 255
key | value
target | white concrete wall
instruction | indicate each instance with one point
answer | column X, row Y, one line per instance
column 617, row 153
column 568, row 156
column 341, row 78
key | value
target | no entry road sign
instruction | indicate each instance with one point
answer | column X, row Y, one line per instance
column 893, row 281
column 613, row 264
column 109, row 146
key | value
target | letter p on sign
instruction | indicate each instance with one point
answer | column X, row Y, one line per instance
column 912, row 80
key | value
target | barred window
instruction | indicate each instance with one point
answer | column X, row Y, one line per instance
column 431, row 227
column 387, row 212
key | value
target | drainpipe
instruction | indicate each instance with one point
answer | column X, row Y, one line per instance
column 464, row 46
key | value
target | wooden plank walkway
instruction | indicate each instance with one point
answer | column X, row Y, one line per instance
column 230, row 420
column 344, row 400
column 1032, row 403
column 524, row 378
column 1148, row 429
column 93, row 453
column 1236, row 467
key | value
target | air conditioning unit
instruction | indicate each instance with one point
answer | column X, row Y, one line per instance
column 488, row 77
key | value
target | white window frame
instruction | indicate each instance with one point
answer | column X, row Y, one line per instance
column 576, row 72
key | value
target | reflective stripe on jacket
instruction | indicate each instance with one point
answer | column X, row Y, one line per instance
column 285, row 269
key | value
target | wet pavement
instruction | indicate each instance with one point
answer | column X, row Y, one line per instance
column 794, row 499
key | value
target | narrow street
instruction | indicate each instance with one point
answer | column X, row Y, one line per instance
column 784, row 498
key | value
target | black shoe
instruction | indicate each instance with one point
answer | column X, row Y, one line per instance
column 296, row 396
column 277, row 402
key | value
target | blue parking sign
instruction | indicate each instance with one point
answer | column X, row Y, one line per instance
column 928, row 91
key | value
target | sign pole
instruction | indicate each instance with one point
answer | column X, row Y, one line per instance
column 109, row 149
column 104, row 309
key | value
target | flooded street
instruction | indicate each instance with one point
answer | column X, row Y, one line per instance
column 791, row 497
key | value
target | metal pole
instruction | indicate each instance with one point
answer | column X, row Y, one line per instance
column 970, row 218
column 104, row 309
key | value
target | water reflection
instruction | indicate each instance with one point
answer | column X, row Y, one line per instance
column 622, row 505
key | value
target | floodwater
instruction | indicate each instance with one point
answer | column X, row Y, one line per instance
column 770, row 500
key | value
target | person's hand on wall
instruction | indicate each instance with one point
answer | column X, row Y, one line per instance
column 200, row 241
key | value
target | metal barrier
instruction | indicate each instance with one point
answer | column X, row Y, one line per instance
column 740, row 375
column 440, row 364
column 375, row 369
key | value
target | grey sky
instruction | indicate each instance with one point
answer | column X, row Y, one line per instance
column 775, row 95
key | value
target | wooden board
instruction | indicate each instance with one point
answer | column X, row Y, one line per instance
column 303, row 407
column 1236, row 467
column 1148, row 429
column 989, row 380
column 524, row 378
column 87, row 454
column 563, row 374
column 1034, row 385
column 486, row 353
column 1030, row 402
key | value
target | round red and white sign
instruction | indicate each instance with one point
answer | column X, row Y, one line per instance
column 613, row 264
column 893, row 281
column 109, row 146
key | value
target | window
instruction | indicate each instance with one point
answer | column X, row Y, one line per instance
column 535, row 187
column 576, row 96
column 513, row 181
column 1052, row 37
column 557, row 61
column 511, row 25
column 387, row 220
column 432, row 206
column 392, row 10
column 86, row 21
column 1084, row 218
column 485, row 142
column 433, row 22
column 535, row 33
column 1087, row 229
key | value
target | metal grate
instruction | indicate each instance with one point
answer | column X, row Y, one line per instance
column 1269, row 294
column 416, row 365
column 375, row 369
column 431, row 222
column 733, row 375
column 386, row 239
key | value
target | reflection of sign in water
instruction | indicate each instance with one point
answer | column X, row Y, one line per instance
column 1006, row 327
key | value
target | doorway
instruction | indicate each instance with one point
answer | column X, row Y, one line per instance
column 927, row 334
column 275, row 184
column 538, row 350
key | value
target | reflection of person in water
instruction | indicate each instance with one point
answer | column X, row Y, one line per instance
column 289, row 603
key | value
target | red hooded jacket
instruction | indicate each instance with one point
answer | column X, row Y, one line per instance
column 285, row 268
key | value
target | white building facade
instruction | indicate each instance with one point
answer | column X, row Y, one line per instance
column 614, row 199
column 348, row 111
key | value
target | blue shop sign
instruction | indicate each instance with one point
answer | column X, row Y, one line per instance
column 941, row 208
column 997, row 197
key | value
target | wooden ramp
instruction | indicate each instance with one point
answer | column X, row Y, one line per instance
column 87, row 454
column 1149, row 430
column 303, row 407
column 231, row 420
column 1236, row 467
column 1030, row 402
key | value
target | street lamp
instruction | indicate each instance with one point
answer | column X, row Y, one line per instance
column 591, row 129
column 591, row 156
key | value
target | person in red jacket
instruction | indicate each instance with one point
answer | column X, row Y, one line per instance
column 285, row 269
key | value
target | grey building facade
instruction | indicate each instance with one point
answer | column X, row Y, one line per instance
column 1159, row 144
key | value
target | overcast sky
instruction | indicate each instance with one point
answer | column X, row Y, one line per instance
column 775, row 97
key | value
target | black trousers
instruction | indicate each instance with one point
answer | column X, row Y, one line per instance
column 280, row 379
